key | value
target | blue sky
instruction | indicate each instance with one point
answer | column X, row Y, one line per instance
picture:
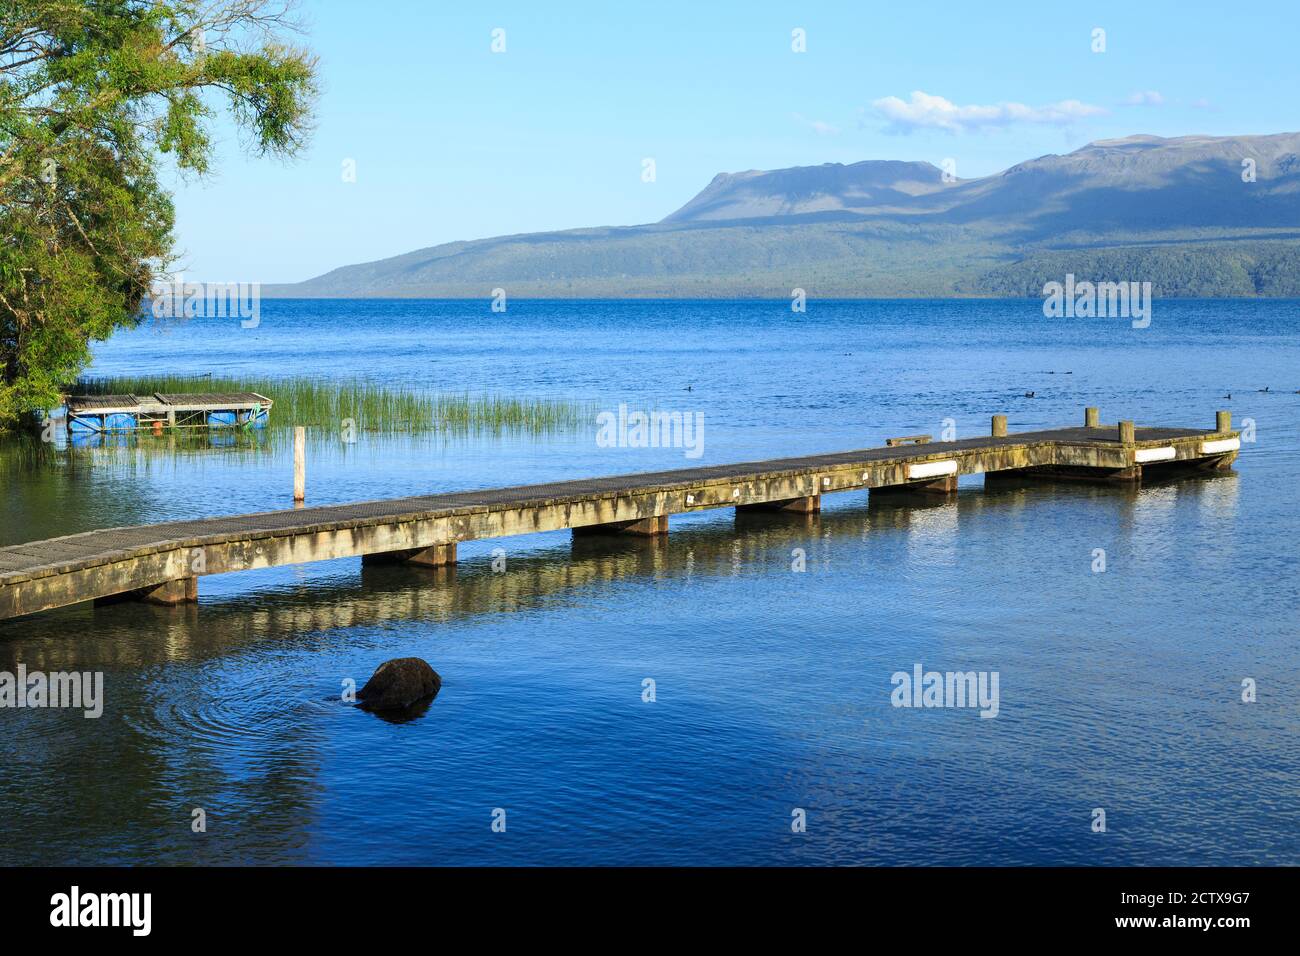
column 452, row 141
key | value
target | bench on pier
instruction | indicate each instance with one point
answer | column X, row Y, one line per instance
column 908, row 440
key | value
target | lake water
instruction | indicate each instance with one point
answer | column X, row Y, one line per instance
column 1119, row 690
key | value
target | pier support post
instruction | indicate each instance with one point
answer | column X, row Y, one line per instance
column 435, row 556
column 299, row 464
column 645, row 527
column 809, row 505
column 1087, row 475
column 999, row 426
column 1223, row 421
column 1091, row 417
column 947, row 485
column 1127, row 433
column 168, row 594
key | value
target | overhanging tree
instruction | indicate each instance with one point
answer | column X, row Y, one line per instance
column 93, row 93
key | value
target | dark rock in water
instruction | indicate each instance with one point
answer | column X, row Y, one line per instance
column 397, row 684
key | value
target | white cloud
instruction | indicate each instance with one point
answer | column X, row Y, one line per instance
column 819, row 127
column 924, row 111
column 1146, row 98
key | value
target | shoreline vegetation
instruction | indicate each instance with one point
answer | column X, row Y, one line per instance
column 325, row 403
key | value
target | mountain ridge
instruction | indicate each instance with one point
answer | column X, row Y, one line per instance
column 892, row 227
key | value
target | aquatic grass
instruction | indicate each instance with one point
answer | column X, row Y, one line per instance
column 328, row 403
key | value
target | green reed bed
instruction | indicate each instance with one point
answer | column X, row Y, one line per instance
column 372, row 408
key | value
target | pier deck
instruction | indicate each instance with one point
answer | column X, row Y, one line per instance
column 162, row 562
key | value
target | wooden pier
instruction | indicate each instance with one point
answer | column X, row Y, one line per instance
column 95, row 414
column 162, row 563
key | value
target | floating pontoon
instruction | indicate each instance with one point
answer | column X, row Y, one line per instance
column 91, row 414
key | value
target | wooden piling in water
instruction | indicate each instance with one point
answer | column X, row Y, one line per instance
column 299, row 463
column 999, row 426
column 1091, row 417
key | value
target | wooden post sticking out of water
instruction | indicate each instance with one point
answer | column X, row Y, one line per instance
column 999, row 426
column 1126, row 433
column 1091, row 417
column 1223, row 421
column 299, row 464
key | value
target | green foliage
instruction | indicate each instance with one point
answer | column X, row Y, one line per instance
column 744, row 261
column 92, row 94
column 1190, row 271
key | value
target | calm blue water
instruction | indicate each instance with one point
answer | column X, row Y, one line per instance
column 1119, row 690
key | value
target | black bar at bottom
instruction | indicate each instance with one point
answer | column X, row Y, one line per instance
column 346, row 905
